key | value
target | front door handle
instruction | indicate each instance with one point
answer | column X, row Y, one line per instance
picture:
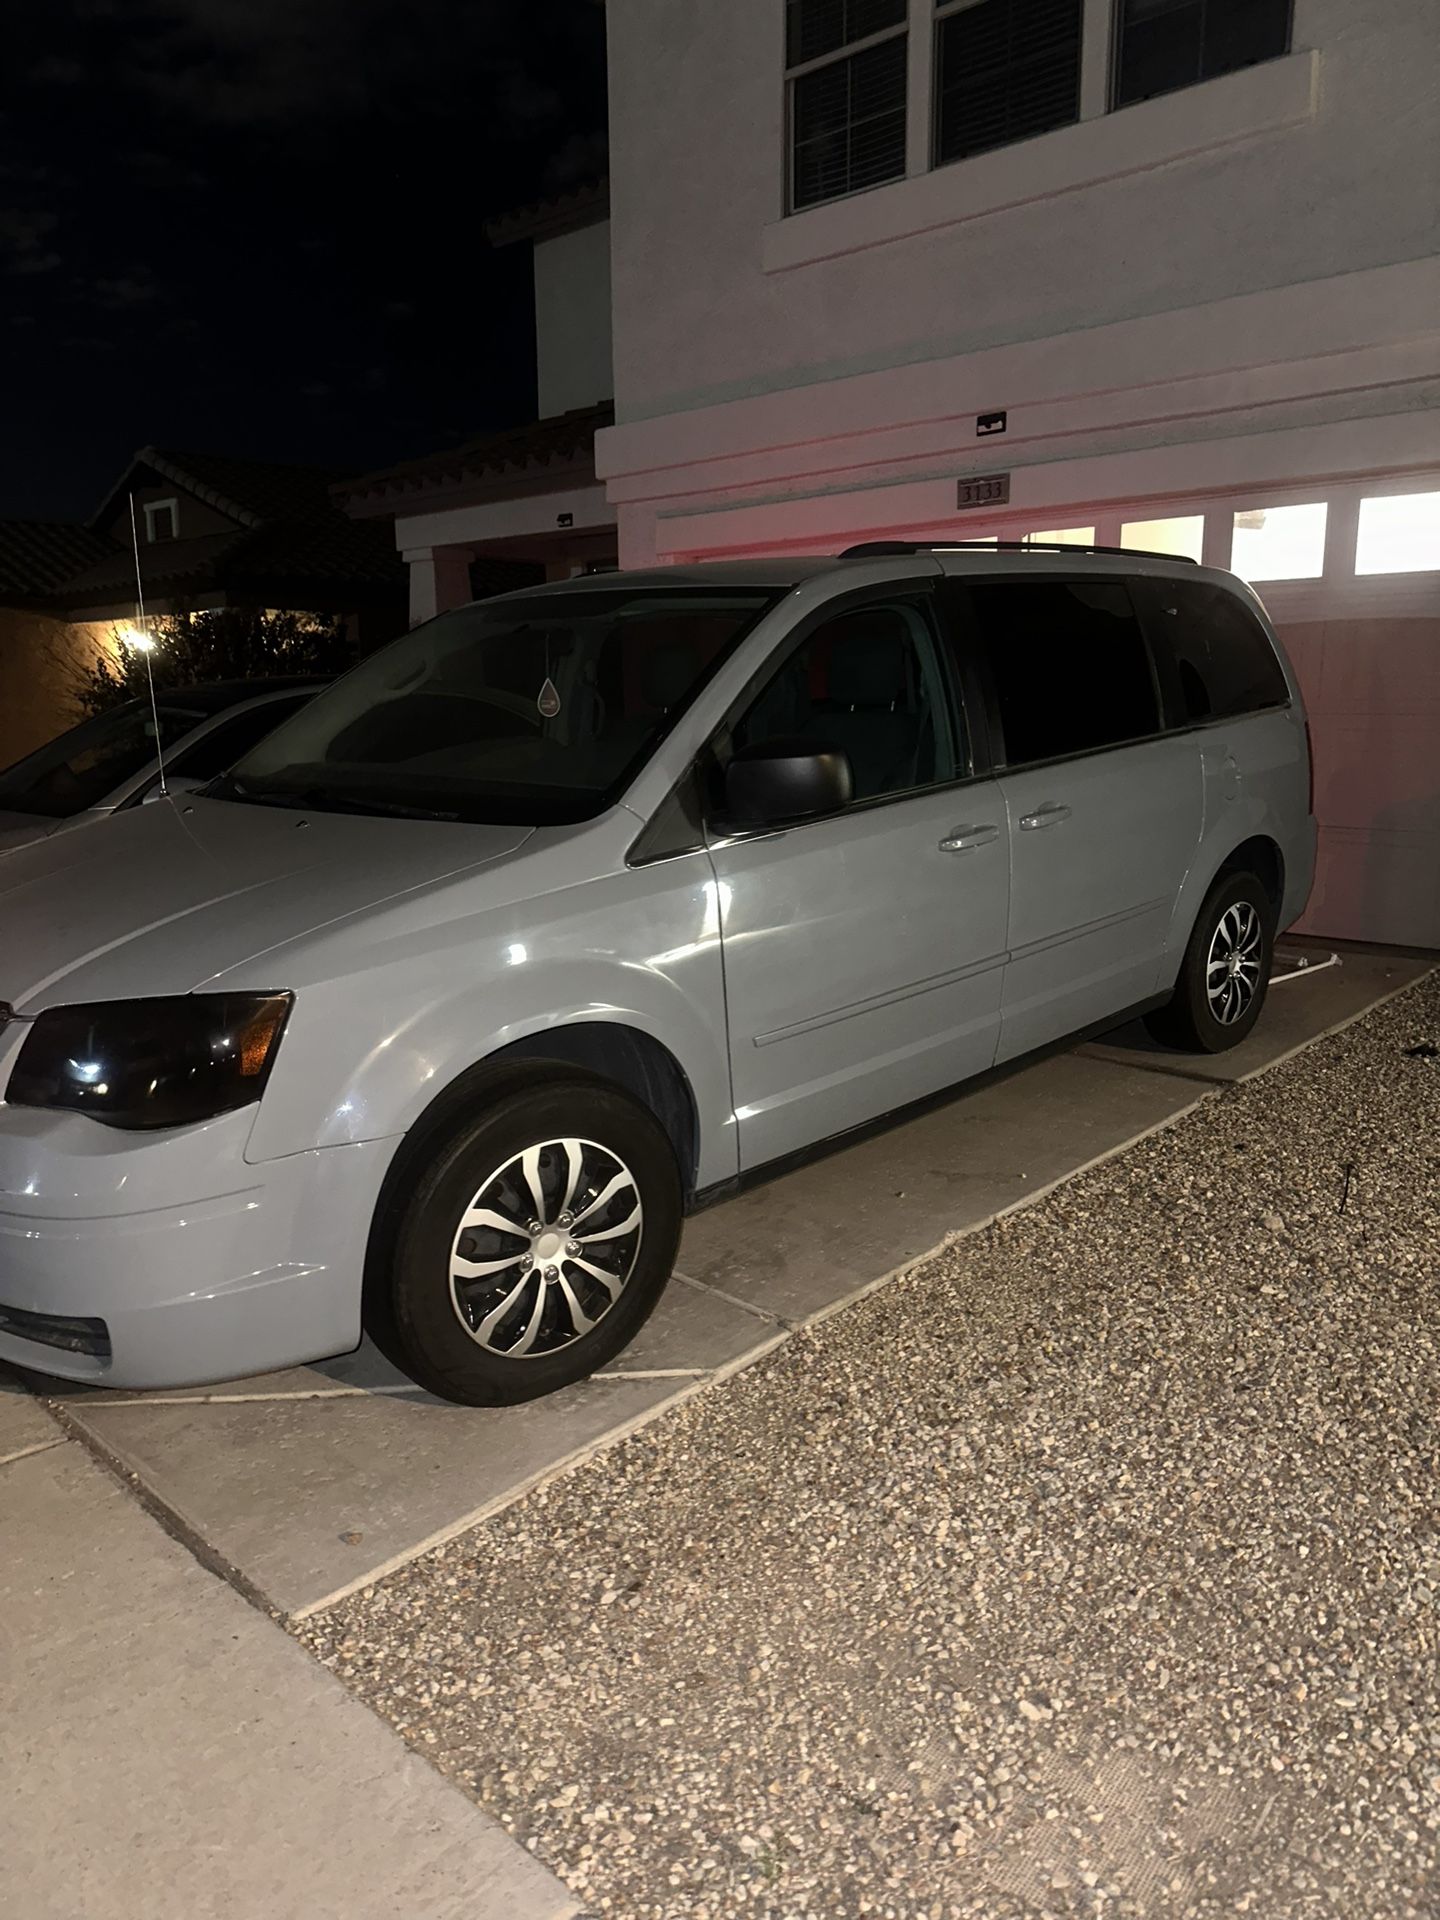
column 1049, row 816
column 962, row 839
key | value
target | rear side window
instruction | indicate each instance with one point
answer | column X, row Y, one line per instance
column 1069, row 665
column 1223, row 660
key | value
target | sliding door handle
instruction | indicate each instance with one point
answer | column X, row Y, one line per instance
column 1049, row 816
column 962, row 839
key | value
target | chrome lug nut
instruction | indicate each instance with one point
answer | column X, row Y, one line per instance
column 550, row 1272
column 572, row 1246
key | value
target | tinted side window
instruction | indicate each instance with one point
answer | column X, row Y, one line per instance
column 1224, row 662
column 225, row 744
column 870, row 683
column 1069, row 664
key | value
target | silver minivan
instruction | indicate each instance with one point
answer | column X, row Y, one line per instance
column 576, row 906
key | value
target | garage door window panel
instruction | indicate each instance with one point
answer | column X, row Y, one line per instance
column 1398, row 533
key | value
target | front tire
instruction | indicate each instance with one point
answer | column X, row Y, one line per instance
column 1225, row 974
column 534, row 1244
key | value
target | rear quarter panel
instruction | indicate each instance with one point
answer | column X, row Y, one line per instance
column 1256, row 780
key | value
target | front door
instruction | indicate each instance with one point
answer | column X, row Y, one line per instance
column 1104, row 809
column 863, row 952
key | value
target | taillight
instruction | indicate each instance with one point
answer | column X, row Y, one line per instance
column 1310, row 762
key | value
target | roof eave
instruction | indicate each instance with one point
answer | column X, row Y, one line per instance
column 547, row 219
column 170, row 470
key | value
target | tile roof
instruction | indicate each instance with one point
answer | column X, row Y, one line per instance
column 36, row 555
column 319, row 548
column 582, row 206
column 290, row 540
column 250, row 491
column 168, row 564
column 562, row 440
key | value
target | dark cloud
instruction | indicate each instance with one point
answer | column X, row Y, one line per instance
column 55, row 71
column 21, row 231
column 128, row 290
column 23, row 234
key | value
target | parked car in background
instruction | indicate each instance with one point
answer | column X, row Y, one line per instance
column 108, row 763
column 575, row 905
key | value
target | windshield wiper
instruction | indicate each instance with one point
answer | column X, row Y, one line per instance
column 323, row 798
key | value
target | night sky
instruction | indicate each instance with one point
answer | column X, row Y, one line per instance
column 255, row 226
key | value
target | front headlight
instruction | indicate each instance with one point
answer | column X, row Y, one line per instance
column 151, row 1063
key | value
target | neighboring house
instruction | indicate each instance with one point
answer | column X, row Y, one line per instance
column 524, row 505
column 213, row 532
column 40, row 654
column 216, row 532
column 1096, row 269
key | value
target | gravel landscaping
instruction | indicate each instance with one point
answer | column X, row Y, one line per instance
column 1089, row 1568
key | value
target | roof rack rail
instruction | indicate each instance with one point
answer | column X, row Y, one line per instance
column 892, row 549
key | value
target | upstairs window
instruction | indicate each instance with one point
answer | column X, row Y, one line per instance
column 845, row 70
column 1165, row 44
column 1005, row 70
column 161, row 518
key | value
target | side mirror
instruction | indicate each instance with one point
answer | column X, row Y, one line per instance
column 777, row 782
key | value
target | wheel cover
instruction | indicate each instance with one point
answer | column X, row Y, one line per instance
column 1233, row 964
column 545, row 1248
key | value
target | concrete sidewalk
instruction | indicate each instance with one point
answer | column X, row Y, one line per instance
column 171, row 1753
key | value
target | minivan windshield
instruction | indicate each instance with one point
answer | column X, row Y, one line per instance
column 531, row 710
column 82, row 768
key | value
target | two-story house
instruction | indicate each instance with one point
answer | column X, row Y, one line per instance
column 1153, row 272
column 522, row 505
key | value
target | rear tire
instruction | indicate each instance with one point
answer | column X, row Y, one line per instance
column 532, row 1243
column 1225, row 974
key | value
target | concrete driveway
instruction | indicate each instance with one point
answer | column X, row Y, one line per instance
column 303, row 1487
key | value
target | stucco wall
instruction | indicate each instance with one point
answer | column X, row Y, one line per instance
column 40, row 660
column 697, row 171
column 572, row 319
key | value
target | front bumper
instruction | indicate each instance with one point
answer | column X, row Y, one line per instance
column 260, row 1268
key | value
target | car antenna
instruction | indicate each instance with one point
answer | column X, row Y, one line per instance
column 147, row 647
